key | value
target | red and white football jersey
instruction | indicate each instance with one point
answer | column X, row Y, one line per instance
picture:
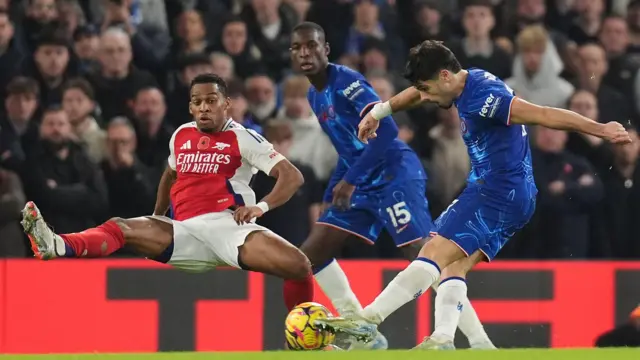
column 214, row 170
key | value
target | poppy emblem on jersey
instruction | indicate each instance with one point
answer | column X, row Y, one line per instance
column 203, row 144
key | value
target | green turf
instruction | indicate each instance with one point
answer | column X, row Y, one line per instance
column 525, row 354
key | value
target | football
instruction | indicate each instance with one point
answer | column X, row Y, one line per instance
column 299, row 330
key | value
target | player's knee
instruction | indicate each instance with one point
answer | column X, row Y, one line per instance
column 299, row 267
column 121, row 222
column 454, row 270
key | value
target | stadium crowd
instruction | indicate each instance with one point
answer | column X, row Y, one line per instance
column 93, row 89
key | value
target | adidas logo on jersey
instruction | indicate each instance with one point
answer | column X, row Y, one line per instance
column 186, row 146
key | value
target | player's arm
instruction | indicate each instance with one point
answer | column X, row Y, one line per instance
column 261, row 154
column 363, row 99
column 526, row 113
column 163, row 198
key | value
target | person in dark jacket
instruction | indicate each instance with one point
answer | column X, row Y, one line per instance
column 61, row 178
column 131, row 189
column 568, row 191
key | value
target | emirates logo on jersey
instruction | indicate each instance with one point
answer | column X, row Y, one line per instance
column 201, row 163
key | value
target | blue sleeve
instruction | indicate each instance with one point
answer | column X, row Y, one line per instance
column 361, row 97
column 337, row 175
column 492, row 100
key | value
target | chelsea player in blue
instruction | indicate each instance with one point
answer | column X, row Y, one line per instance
column 498, row 200
column 374, row 187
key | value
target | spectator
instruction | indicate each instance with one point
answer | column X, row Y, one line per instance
column 12, row 200
column 587, row 25
column 192, row 34
column 18, row 129
column 623, row 67
column 633, row 22
column 592, row 69
column 132, row 190
column 86, row 46
column 261, row 94
column 385, row 89
column 189, row 66
column 592, row 147
column 51, row 65
column 621, row 211
column 477, row 49
column 68, row 189
column 118, row 81
column 223, row 66
column 536, row 70
column 366, row 24
column 428, row 23
column 568, row 192
column 292, row 220
column 235, row 42
column 239, row 110
column 41, row 17
column 78, row 101
column 309, row 146
column 270, row 23
column 149, row 110
column 448, row 166
column 70, row 16
column 12, row 52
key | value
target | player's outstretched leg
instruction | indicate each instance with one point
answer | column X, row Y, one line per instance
column 451, row 303
column 406, row 286
column 469, row 323
column 268, row 253
column 146, row 236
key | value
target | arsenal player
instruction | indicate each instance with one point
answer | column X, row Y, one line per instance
column 211, row 163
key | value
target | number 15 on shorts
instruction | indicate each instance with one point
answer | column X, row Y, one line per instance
column 399, row 214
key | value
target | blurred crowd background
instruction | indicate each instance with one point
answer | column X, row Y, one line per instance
column 92, row 90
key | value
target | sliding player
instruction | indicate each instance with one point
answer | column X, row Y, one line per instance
column 500, row 195
column 211, row 163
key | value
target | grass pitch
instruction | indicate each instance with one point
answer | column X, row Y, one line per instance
column 523, row 354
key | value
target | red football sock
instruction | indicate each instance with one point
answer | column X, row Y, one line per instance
column 95, row 242
column 298, row 291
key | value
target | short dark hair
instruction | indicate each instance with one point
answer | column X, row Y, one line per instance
column 53, row 37
column 22, row 85
column 187, row 60
column 81, row 84
column 483, row 3
column 309, row 26
column 52, row 108
column 210, row 78
column 428, row 59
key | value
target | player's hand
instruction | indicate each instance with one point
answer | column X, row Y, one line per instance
column 367, row 128
column 342, row 195
column 615, row 133
column 244, row 214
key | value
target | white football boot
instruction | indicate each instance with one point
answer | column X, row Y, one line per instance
column 45, row 243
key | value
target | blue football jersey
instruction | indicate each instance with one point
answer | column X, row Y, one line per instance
column 499, row 151
column 339, row 107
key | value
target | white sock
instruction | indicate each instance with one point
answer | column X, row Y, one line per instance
column 470, row 324
column 449, row 305
column 335, row 285
column 406, row 286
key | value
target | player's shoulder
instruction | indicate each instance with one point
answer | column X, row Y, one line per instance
column 185, row 128
column 346, row 79
column 482, row 80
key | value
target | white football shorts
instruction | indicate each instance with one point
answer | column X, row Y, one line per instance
column 206, row 241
